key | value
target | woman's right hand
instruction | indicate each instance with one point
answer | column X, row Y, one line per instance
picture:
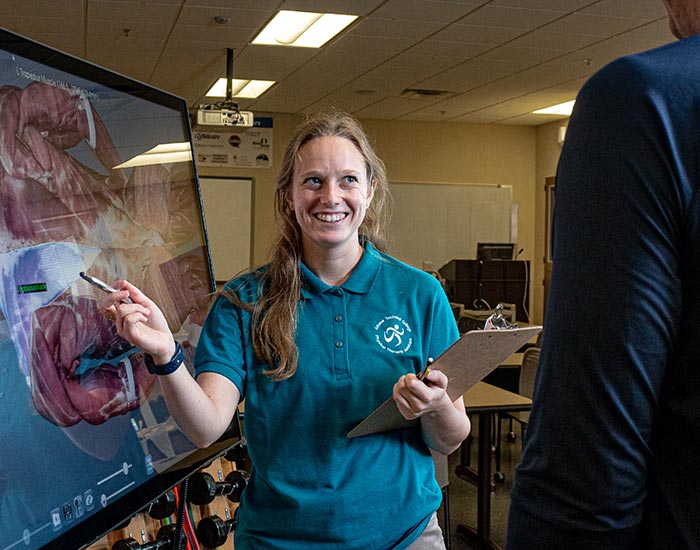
column 202, row 408
column 141, row 322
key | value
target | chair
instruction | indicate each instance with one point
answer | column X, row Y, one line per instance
column 526, row 387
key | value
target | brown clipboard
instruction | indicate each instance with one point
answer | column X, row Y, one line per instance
column 465, row 363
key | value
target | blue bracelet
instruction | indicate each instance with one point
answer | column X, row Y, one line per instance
column 169, row 367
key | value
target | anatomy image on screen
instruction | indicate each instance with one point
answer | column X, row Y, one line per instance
column 89, row 435
column 60, row 217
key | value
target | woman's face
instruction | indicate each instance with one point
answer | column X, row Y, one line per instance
column 330, row 194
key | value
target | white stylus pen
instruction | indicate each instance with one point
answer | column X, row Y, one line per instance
column 94, row 281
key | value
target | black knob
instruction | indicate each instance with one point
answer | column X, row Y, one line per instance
column 166, row 535
column 164, row 540
column 164, row 506
column 212, row 531
column 238, row 480
column 236, row 453
column 126, row 544
column 203, row 489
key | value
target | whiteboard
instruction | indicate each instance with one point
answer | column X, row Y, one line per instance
column 228, row 212
column 439, row 222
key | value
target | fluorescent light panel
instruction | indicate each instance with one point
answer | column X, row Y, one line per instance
column 248, row 89
column 560, row 109
column 302, row 29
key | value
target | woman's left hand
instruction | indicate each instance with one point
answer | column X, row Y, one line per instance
column 415, row 397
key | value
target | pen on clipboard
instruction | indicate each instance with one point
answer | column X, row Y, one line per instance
column 94, row 281
column 424, row 373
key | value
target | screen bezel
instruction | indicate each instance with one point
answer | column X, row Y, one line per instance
column 101, row 522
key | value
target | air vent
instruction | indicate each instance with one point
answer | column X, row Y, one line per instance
column 414, row 93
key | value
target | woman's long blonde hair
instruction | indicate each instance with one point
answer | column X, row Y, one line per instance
column 275, row 312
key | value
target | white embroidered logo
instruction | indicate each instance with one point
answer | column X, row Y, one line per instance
column 393, row 334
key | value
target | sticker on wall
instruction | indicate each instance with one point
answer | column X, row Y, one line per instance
column 239, row 148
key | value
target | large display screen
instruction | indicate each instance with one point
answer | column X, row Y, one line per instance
column 96, row 176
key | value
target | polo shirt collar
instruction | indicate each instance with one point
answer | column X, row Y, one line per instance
column 359, row 282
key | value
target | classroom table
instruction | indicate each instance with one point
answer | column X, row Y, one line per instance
column 486, row 401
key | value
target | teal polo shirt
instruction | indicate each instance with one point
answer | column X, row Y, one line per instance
column 310, row 486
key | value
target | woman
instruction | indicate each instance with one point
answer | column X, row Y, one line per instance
column 314, row 341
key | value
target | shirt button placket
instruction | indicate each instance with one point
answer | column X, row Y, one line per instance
column 338, row 301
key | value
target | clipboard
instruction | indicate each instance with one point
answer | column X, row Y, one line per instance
column 466, row 362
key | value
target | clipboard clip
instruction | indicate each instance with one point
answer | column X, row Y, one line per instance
column 497, row 320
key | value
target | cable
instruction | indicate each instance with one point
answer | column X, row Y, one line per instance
column 181, row 500
column 189, row 525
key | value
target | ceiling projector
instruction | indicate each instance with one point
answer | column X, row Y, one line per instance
column 207, row 116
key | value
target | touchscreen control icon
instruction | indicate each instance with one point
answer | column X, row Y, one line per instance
column 89, row 499
column 68, row 512
column 78, row 508
column 56, row 519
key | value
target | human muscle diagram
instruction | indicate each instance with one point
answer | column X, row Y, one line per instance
column 66, row 207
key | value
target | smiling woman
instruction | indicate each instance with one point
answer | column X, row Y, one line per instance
column 315, row 340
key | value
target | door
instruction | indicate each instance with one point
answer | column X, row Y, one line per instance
column 549, row 217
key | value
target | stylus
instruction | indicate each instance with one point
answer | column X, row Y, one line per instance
column 424, row 373
column 94, row 281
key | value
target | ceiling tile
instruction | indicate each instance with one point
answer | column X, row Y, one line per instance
column 70, row 43
column 390, row 108
column 553, row 5
column 399, row 28
column 521, row 57
column 652, row 34
column 601, row 25
column 154, row 14
column 118, row 58
column 499, row 57
column 226, row 37
column 119, row 33
column 266, row 5
column 245, row 18
column 65, row 9
column 344, row 100
column 268, row 63
column 350, row 7
column 444, row 54
column 643, row 9
column 513, row 17
column 27, row 26
column 561, row 41
column 477, row 34
column 428, row 10
column 469, row 75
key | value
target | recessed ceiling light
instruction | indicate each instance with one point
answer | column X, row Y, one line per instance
column 248, row 89
column 302, row 29
column 560, row 109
